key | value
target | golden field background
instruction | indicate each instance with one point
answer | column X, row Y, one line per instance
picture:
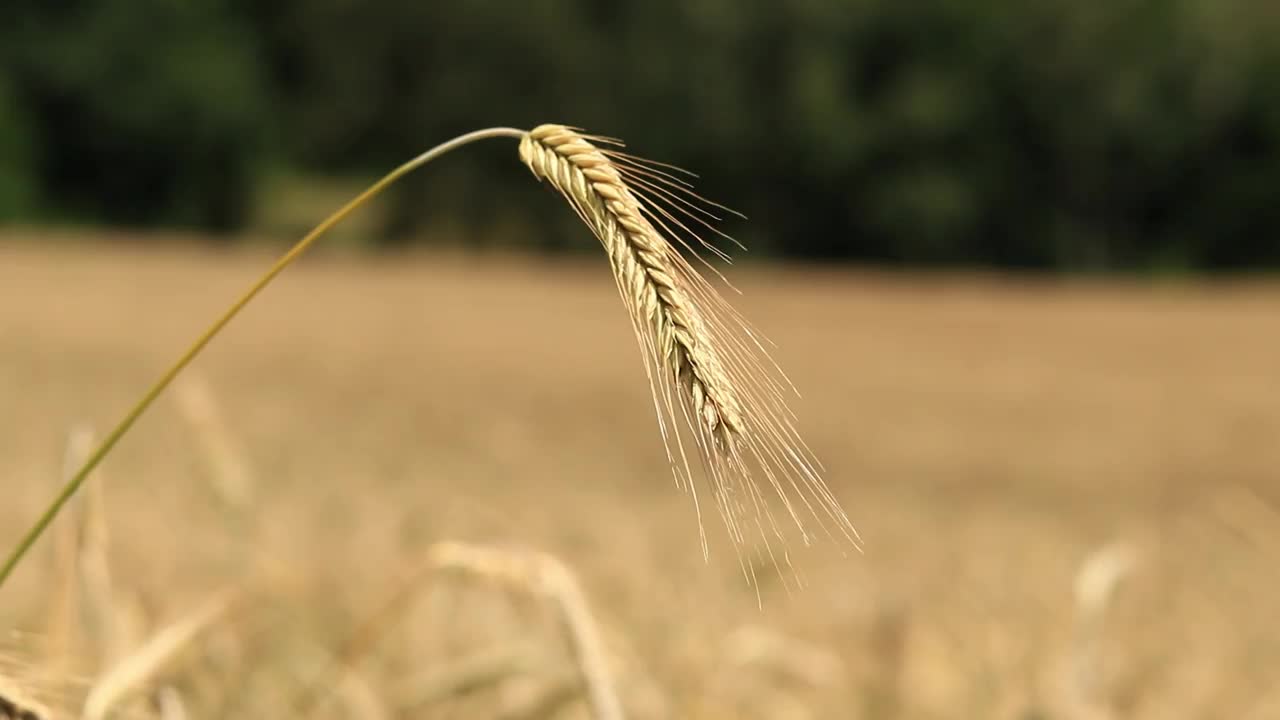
column 1002, row 445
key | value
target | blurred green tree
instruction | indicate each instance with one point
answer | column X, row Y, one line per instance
column 146, row 111
column 1135, row 134
column 17, row 196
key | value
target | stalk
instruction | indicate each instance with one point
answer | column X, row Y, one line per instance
column 122, row 428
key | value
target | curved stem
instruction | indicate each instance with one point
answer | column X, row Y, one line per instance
column 109, row 442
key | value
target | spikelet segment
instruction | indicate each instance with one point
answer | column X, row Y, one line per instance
column 642, row 261
column 704, row 362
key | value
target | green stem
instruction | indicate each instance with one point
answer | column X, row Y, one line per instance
column 109, row 442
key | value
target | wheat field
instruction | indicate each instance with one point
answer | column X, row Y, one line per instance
column 432, row 486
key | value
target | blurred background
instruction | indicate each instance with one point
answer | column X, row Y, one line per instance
column 1018, row 257
column 1137, row 135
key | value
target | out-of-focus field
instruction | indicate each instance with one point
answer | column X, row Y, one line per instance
column 1002, row 446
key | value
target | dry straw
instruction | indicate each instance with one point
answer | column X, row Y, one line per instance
column 15, row 705
column 539, row 574
column 135, row 671
column 714, row 386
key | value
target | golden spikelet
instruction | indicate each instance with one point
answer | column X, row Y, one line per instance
column 705, row 363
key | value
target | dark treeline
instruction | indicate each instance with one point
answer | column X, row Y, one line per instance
column 1134, row 134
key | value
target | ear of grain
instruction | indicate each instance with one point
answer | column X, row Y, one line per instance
column 139, row 668
column 546, row 575
column 169, row 704
column 714, row 384
column 229, row 475
column 538, row 574
column 62, row 625
column 1096, row 583
column 103, row 612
